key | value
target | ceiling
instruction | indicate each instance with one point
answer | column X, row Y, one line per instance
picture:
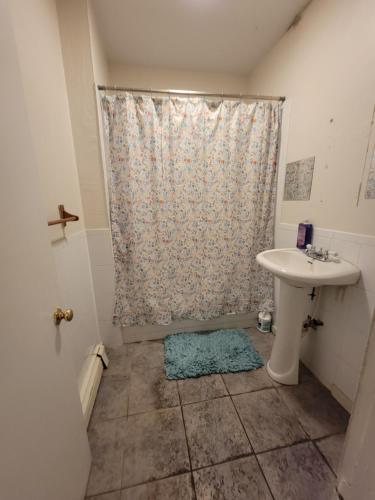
column 210, row 35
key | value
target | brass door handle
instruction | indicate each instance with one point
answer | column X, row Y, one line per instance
column 61, row 314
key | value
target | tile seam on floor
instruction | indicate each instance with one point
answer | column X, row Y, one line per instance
column 152, row 409
column 127, row 414
column 187, row 443
column 97, row 495
column 329, row 435
column 97, row 421
column 104, row 420
column 251, row 391
column 152, row 480
column 200, row 400
column 315, row 447
column 129, row 387
column 122, row 467
column 237, row 457
column 265, row 478
column 325, row 460
column 227, row 461
column 224, row 396
column 277, row 448
column 206, row 400
column 293, row 410
column 302, row 440
column 140, row 413
column 310, row 438
column 92, row 497
column 251, row 446
column 237, row 393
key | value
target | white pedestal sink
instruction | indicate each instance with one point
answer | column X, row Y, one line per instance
column 298, row 273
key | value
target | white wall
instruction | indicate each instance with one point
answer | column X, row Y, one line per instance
column 356, row 480
column 325, row 66
column 39, row 48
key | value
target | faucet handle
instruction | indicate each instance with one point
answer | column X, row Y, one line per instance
column 333, row 256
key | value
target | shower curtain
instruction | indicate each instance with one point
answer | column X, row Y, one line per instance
column 192, row 188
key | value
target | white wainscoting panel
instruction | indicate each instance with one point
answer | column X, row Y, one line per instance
column 102, row 267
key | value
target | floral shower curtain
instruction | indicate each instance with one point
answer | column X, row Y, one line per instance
column 192, row 187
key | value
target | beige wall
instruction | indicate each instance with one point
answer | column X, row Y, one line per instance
column 326, row 67
column 38, row 44
column 80, row 80
column 99, row 57
column 156, row 78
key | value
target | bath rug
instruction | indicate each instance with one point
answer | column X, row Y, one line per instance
column 189, row 355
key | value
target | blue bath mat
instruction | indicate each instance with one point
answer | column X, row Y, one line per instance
column 190, row 355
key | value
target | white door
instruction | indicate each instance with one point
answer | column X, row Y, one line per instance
column 44, row 453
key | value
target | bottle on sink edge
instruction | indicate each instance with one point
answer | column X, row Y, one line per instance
column 304, row 235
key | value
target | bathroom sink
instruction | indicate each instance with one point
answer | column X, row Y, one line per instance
column 298, row 272
column 297, row 269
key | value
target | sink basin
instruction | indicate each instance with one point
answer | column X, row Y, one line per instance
column 298, row 274
column 294, row 267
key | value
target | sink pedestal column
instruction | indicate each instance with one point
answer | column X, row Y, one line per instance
column 284, row 362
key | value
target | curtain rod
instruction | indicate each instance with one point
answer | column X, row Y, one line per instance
column 194, row 93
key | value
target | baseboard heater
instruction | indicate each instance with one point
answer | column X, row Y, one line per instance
column 90, row 380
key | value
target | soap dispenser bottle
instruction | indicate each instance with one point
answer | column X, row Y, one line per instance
column 305, row 233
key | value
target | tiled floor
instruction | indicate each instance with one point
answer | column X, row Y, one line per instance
column 231, row 437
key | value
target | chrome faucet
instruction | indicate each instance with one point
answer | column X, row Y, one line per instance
column 310, row 251
column 321, row 254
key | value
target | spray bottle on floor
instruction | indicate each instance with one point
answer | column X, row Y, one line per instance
column 264, row 322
